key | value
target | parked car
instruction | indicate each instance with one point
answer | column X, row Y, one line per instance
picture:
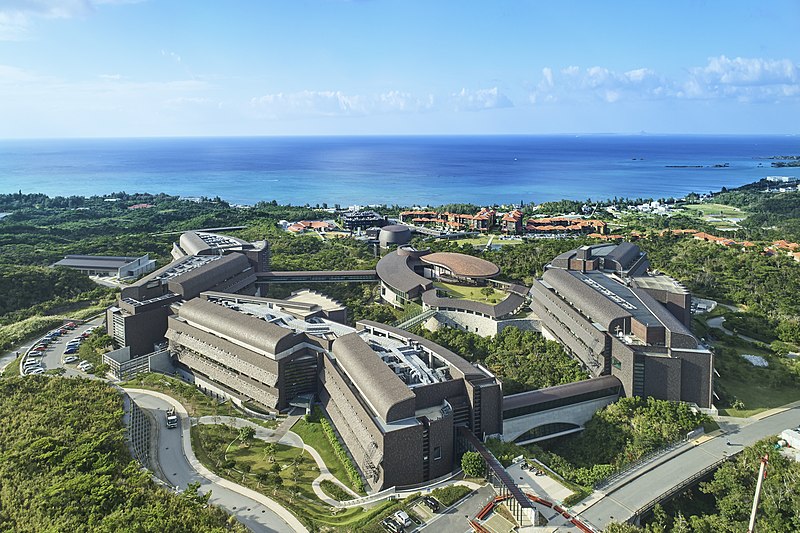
column 432, row 503
column 391, row 525
column 70, row 359
column 85, row 365
column 37, row 370
column 71, row 350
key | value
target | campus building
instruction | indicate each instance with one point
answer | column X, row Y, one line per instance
column 394, row 398
column 361, row 220
column 105, row 265
column 617, row 319
column 204, row 262
column 408, row 276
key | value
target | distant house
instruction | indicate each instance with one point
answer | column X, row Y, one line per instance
column 511, row 222
column 566, row 225
column 482, row 221
column 140, row 206
column 310, row 225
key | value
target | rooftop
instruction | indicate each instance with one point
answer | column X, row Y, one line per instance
column 462, row 265
column 95, row 261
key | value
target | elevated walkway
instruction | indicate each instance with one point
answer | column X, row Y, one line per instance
column 416, row 319
column 320, row 276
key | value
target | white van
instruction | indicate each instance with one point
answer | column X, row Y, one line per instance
column 403, row 518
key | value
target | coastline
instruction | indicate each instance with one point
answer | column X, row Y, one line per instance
column 410, row 170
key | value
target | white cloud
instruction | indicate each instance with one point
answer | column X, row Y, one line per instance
column 338, row 103
column 171, row 55
column 598, row 83
column 17, row 16
column 9, row 74
column 743, row 79
column 466, row 100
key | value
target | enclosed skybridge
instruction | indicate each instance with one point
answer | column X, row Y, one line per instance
column 318, row 276
column 555, row 411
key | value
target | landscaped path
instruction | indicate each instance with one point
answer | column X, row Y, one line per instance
column 288, row 438
column 717, row 323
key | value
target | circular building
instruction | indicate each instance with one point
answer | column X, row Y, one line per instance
column 460, row 266
column 394, row 235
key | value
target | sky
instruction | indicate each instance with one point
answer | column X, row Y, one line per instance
column 155, row 68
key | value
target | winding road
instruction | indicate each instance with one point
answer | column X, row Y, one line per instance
column 181, row 467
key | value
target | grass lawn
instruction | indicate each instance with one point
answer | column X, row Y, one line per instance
column 195, row 402
column 758, row 388
column 710, row 209
column 471, row 293
column 294, row 493
column 483, row 240
column 313, row 435
column 13, row 367
column 758, row 396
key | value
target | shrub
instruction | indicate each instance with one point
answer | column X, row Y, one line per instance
column 352, row 471
column 447, row 496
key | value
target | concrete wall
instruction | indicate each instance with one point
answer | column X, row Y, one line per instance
column 577, row 414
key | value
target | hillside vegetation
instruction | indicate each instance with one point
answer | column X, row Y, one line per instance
column 64, row 466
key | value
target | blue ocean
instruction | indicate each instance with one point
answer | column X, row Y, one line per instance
column 395, row 170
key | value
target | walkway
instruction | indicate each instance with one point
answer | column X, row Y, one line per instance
column 282, row 435
column 624, row 500
column 717, row 322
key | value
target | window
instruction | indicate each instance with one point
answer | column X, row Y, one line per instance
column 437, row 453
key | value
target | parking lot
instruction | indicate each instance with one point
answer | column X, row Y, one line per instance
column 51, row 357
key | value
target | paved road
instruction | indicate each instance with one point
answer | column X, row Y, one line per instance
column 179, row 473
column 456, row 519
column 624, row 501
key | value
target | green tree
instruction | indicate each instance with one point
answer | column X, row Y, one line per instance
column 246, row 434
column 472, row 464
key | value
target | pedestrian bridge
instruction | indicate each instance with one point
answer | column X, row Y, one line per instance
column 555, row 411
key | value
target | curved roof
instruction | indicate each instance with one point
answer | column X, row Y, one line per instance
column 385, row 392
column 238, row 326
column 624, row 254
column 192, row 244
column 461, row 265
column 396, row 270
column 209, row 275
column 396, row 228
column 593, row 304
column 558, row 392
